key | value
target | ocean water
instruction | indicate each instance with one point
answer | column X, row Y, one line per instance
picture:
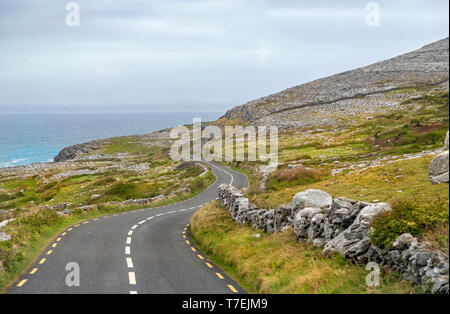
column 38, row 137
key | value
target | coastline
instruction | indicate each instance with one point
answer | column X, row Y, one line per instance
column 27, row 139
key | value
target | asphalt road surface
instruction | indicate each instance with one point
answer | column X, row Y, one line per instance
column 143, row 251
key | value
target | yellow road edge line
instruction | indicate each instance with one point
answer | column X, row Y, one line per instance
column 20, row 284
column 33, row 271
column 42, row 261
column 193, row 249
column 232, row 288
column 219, row 275
column 49, row 252
column 200, row 257
column 209, row 265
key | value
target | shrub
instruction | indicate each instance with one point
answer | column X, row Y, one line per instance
column 283, row 178
column 124, row 190
column 28, row 227
column 190, row 172
column 4, row 197
column 407, row 216
column 47, row 186
column 104, row 181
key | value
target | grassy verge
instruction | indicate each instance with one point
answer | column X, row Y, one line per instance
column 276, row 263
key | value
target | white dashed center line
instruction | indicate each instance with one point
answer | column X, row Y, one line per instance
column 129, row 262
column 131, row 278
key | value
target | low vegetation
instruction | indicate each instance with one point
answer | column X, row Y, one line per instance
column 418, row 219
column 276, row 263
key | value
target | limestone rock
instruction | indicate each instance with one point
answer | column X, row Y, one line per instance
column 359, row 91
column 446, row 141
column 4, row 237
column 313, row 198
column 438, row 169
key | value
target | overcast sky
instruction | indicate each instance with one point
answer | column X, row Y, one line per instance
column 195, row 54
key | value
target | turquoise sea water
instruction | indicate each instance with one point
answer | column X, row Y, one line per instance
column 38, row 137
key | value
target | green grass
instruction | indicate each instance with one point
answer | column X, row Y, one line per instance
column 276, row 263
column 399, row 180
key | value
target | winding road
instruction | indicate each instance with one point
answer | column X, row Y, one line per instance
column 142, row 251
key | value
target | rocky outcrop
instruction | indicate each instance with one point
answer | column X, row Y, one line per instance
column 342, row 225
column 363, row 90
column 438, row 169
column 74, row 151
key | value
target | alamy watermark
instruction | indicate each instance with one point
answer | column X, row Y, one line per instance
column 373, row 14
column 73, row 277
column 239, row 143
column 73, row 17
column 373, row 278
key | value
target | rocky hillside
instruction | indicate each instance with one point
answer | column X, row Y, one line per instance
column 363, row 91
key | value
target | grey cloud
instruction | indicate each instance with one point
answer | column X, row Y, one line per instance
column 196, row 51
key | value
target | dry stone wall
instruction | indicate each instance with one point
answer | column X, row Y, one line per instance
column 343, row 225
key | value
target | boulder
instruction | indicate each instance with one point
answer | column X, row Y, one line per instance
column 5, row 222
column 438, row 169
column 313, row 198
column 404, row 242
column 446, row 141
column 4, row 237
